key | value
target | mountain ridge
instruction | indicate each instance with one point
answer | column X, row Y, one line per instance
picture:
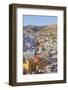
column 35, row 28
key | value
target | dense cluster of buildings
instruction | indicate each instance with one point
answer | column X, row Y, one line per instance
column 40, row 53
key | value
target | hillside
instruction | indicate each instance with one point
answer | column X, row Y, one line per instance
column 40, row 29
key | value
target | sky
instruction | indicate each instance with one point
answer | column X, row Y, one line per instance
column 39, row 20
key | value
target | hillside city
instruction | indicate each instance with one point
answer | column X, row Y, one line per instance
column 39, row 49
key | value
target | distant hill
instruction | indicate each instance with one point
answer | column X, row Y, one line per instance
column 51, row 28
column 35, row 29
